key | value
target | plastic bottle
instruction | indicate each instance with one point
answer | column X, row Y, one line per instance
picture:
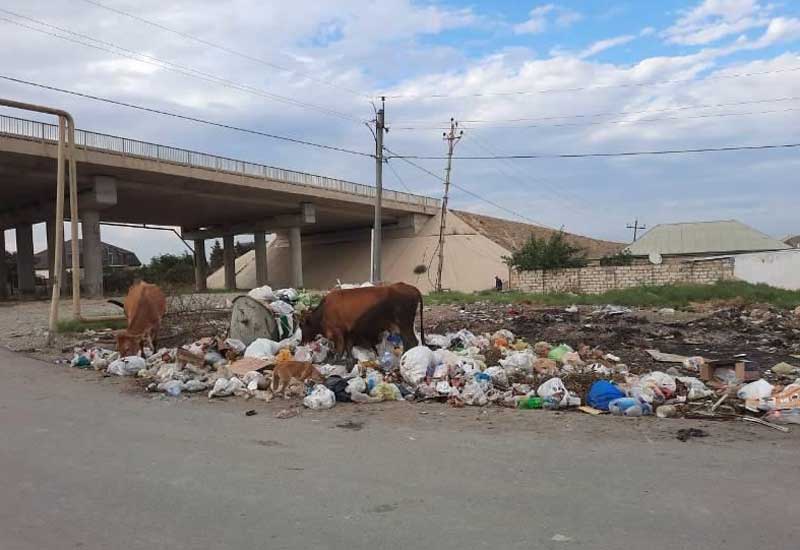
column 387, row 361
column 530, row 403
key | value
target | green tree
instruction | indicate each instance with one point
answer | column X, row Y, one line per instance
column 217, row 256
column 552, row 253
column 620, row 258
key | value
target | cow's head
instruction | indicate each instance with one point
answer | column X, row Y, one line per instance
column 127, row 343
column 310, row 325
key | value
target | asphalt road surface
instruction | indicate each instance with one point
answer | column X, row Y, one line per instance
column 87, row 463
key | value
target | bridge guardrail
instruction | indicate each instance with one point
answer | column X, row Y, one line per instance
column 42, row 131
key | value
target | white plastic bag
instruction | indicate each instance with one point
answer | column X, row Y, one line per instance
column 662, row 381
column 320, row 398
column 262, row 294
column 262, row 348
column 498, row 376
column 437, row 340
column 415, row 363
column 281, row 308
column 333, row 370
column 697, row 389
column 362, row 354
column 445, row 357
column 255, row 381
column 760, row 389
column 522, row 360
column 302, row 354
column 194, row 385
column 556, row 389
column 287, row 294
column 236, row 345
column 224, row 387
column 127, row 366
column 172, row 388
column 474, row 395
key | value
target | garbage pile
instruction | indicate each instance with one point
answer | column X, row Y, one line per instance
column 462, row 369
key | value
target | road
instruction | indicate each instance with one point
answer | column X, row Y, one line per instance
column 88, row 464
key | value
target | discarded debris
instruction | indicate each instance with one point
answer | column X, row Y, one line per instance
column 685, row 434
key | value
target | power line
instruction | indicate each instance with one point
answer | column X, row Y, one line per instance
column 586, row 88
column 420, row 125
column 463, row 189
column 397, row 176
column 223, row 48
column 606, row 155
column 168, row 65
column 187, row 117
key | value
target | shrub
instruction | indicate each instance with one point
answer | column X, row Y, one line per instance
column 552, row 253
column 621, row 258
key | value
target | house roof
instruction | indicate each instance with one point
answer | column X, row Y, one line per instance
column 711, row 237
column 129, row 258
column 513, row 235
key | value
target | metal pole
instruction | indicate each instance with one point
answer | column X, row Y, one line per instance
column 59, row 231
column 375, row 276
column 451, row 139
column 73, row 215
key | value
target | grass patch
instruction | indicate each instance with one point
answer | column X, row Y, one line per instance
column 644, row 296
column 72, row 325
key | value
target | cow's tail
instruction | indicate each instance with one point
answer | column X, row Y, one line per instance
column 421, row 324
column 116, row 303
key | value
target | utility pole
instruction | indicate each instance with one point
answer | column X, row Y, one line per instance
column 380, row 126
column 636, row 227
column 451, row 138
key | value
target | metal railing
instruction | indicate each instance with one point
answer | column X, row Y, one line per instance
column 40, row 131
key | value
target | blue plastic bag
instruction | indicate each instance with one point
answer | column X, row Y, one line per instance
column 602, row 393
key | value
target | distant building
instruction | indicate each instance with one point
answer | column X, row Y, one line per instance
column 713, row 238
column 113, row 257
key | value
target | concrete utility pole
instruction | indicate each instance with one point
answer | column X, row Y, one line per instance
column 636, row 227
column 451, row 138
column 380, row 127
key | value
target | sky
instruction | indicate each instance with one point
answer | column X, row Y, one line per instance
column 521, row 78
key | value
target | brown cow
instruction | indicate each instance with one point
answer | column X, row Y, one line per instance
column 358, row 316
column 144, row 306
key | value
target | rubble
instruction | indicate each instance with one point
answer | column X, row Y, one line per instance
column 608, row 358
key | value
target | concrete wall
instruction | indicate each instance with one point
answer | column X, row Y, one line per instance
column 598, row 279
column 471, row 260
column 780, row 269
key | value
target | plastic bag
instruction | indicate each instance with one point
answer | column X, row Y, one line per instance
column 193, row 386
column 662, row 380
column 254, row 380
column 281, row 308
column 262, row 294
column 287, row 294
column 386, row 392
column 601, row 393
column 522, row 360
column 224, row 387
column 697, row 389
column 333, row 370
column 760, row 389
column 302, row 354
column 362, row 355
column 558, row 352
column 555, row 389
column 414, row 364
column 499, row 376
column 173, row 387
column 474, row 395
column 446, row 357
column 127, row 366
column 262, row 348
column 320, row 398
column 629, row 406
column 356, row 385
column 437, row 340
column 319, row 349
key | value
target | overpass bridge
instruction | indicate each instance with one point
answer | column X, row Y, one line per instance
column 129, row 181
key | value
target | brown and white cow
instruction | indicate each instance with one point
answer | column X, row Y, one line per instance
column 358, row 316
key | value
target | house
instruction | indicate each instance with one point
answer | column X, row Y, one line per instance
column 714, row 238
column 113, row 257
column 756, row 257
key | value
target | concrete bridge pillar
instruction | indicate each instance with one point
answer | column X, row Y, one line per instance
column 229, row 261
column 296, row 253
column 262, row 271
column 25, row 274
column 91, row 252
column 200, row 265
column 51, row 257
column 3, row 266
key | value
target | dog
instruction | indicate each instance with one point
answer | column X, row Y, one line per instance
column 144, row 307
column 285, row 371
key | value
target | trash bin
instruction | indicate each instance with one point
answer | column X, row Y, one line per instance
column 251, row 319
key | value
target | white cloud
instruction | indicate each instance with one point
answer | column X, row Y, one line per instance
column 713, row 20
column 603, row 45
column 647, row 31
column 541, row 17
